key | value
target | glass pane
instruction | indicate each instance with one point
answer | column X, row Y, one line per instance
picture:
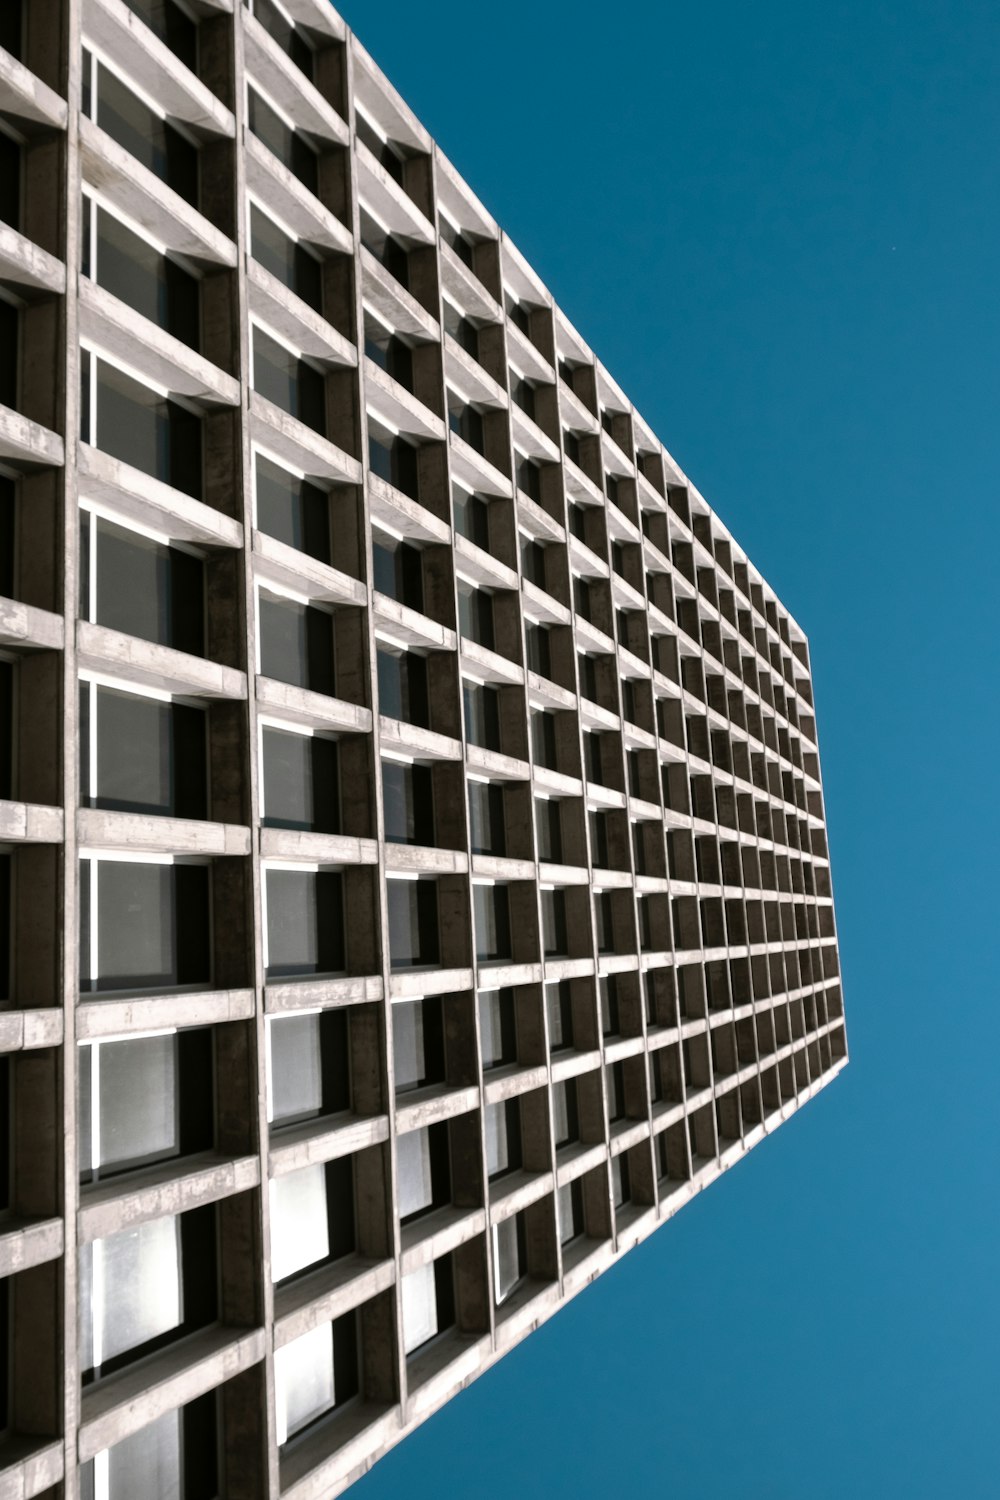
column 137, row 1093
column 133, row 753
column 134, row 1284
column 560, row 1114
column 305, row 933
column 84, row 1098
column 419, row 1307
column 300, row 1233
column 497, row 1152
column 303, row 1379
column 490, row 1027
column 564, row 1209
column 506, row 1257
column 292, row 510
column 296, row 1075
column 136, row 937
column 408, row 1044
column 148, row 1463
column 413, row 1169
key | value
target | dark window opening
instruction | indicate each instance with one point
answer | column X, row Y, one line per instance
column 152, row 925
column 487, row 830
column 408, row 803
column 151, row 756
column 413, row 923
column 139, row 427
column 305, row 922
column 395, row 461
column 301, row 781
column 481, row 706
column 290, row 382
column 157, row 145
column 288, row 37
column 292, row 510
column 402, row 687
column 472, row 517
column 292, row 263
column 288, row 145
column 418, row 1043
column 491, row 911
column 397, row 569
column 296, row 644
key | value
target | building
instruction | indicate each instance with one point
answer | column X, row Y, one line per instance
column 414, row 884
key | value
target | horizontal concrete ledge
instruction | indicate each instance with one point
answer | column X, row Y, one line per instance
column 116, row 1017
column 517, row 1318
column 270, row 181
column 34, row 629
column 276, row 562
column 97, row 829
column 466, row 288
column 665, row 1115
column 443, row 1370
column 540, row 606
column 29, row 1466
column 530, row 438
column 110, row 651
column 393, row 303
column 121, row 36
column 496, row 766
column 129, row 492
column 409, row 984
column 422, row 744
column 399, row 512
column 466, row 376
column 275, row 432
column 311, row 994
column 318, row 848
column 29, row 1242
column 32, row 269
column 327, row 1294
column 627, row 1046
column 390, row 204
column 572, row 1064
column 27, row 97
column 349, row 1439
column 511, row 1194
column 323, row 1140
column 482, row 566
column 28, row 444
column 31, row 823
column 503, row 976
column 438, row 1233
column 291, row 91
column 170, row 1188
column 563, row 874
column 277, row 307
column 295, row 705
column 27, row 1030
column 635, row 1226
column 573, row 1161
column 155, row 207
column 412, row 858
column 556, row 782
column 398, row 407
column 428, row 1105
column 401, row 626
column 537, row 522
column 509, row 1083
column 130, row 1400
column 587, row 1259
column 526, row 357
column 568, row 968
column 468, row 465
column 489, row 666
column 499, row 867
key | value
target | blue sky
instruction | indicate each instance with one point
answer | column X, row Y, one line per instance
column 778, row 226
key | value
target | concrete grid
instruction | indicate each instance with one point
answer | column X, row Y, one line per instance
column 682, row 720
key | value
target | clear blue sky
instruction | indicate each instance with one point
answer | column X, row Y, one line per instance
column 778, row 225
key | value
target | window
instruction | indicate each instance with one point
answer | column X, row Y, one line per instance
column 394, row 459
column 548, row 826
column 289, row 381
column 604, row 921
column 413, row 923
column 398, row 570
column 143, row 925
column 140, row 754
column 569, row 1210
column 503, row 1138
column 423, row 1172
column 592, row 758
column 520, row 316
column 543, row 739
column 314, row 1374
column 471, row 517
column 600, row 856
column 533, row 562
column 149, row 281
column 387, row 250
column 408, row 803
column 554, row 937
column 312, row 1217
column 614, row 1078
column 497, row 1028
column 428, row 1303
column 528, row 477
column 571, row 446
column 308, row 1066
column 141, row 587
column 465, row 421
column 294, row 265
column 510, row 1257
column 418, row 1043
column 578, row 525
column 145, row 1287
column 292, row 510
column 175, row 1455
column 459, row 242
column 565, row 1115
column 481, row 706
column 296, row 644
column 523, row 394
column 287, row 35
column 537, row 639
column 608, row 990
column 402, row 687
column 143, row 1100
column 305, row 922
column 4, row 926
column 491, row 914
column 475, row 615
column 157, row 145
column 588, row 677
column 385, row 152
column 462, row 329
column 10, row 181
column 300, row 781
column 137, row 426
column 487, row 832
column 288, row 144
column 390, row 352
column 559, row 1010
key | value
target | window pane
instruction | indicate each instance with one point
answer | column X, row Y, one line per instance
column 148, row 589
column 296, row 1075
column 292, row 510
column 497, row 1151
column 305, row 922
column 408, row 1044
column 296, row 644
column 413, row 935
column 131, row 1291
column 149, row 1462
column 301, row 781
column 564, row 1210
column 506, row 1257
column 150, row 755
column 300, row 1233
column 136, row 1086
column 413, row 1168
column 136, row 935
column 303, row 1380
column 419, row 1307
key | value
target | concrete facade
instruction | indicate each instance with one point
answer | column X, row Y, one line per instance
column 567, row 715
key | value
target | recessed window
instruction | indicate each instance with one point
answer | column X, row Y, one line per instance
column 142, row 1100
column 296, row 644
column 423, row 1172
column 428, row 1297
column 528, row 478
column 312, row 1217
column 614, row 1082
column 8, row 532
column 138, row 426
column 145, row 1287
column 462, row 329
column 292, row 510
column 300, row 777
column 413, row 923
column 559, row 1009
column 408, row 803
column 289, row 38
column 305, row 922
column 523, row 394
column 593, row 761
column 497, row 1028
column 487, row 832
column 604, row 922
column 314, row 1374
column 161, row 1458
column 459, row 242
column 481, row 710
column 390, row 352
column 394, row 460
column 289, row 381
column 543, row 739
column 537, row 642
column 9, row 353
column 288, row 144
column 141, row 587
column 554, row 932
column 291, row 262
column 417, row 1043
column 471, row 517
column 533, row 562
column 387, row 250
column 510, row 1256
column 397, row 570
column 465, row 421
column 141, row 754
column 157, row 145
column 569, row 1210
column 143, row 925
column 402, row 687
column 149, row 281
column 10, row 181
column 491, row 914
column 621, row 1184
column 475, row 615
column 565, row 1115
column 548, row 826
column 172, row 25
column 608, row 990
column 503, row 1138
column 385, row 152
column 308, row 1067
